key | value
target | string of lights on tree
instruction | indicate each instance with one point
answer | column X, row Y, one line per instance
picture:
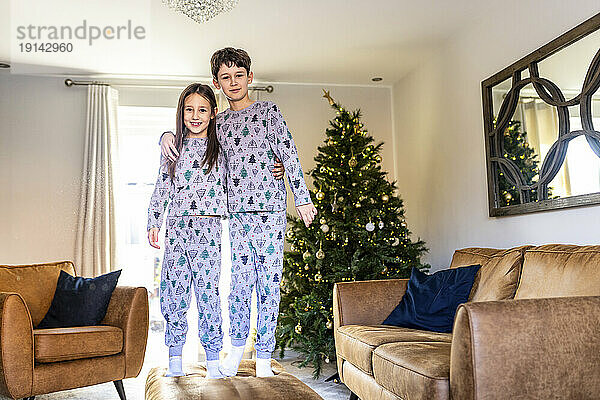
column 361, row 234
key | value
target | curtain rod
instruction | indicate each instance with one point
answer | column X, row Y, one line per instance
column 70, row 83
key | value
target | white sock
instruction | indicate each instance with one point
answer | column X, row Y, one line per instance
column 212, row 370
column 175, row 368
column 230, row 364
column 263, row 367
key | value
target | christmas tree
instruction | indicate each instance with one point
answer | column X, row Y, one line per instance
column 517, row 149
column 359, row 234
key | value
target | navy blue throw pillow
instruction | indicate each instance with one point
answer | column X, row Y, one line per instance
column 430, row 301
column 80, row 301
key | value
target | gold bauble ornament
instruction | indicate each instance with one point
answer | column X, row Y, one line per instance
column 306, row 267
column 289, row 233
column 322, row 169
column 378, row 158
column 329, row 324
column 357, row 205
column 508, row 196
column 298, row 329
column 320, row 254
column 325, row 228
column 320, row 195
column 293, row 248
column 323, row 221
column 352, row 162
column 306, row 255
column 318, row 277
column 385, row 198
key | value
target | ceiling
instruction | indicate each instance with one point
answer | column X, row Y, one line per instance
column 312, row 41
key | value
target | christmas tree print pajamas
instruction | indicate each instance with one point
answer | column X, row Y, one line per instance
column 192, row 245
column 251, row 138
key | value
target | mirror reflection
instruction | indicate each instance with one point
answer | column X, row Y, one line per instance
column 545, row 123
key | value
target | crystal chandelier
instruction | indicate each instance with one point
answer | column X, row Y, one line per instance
column 201, row 10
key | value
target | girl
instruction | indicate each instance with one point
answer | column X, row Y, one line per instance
column 194, row 185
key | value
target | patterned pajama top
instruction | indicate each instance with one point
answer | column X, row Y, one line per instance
column 194, row 190
column 250, row 138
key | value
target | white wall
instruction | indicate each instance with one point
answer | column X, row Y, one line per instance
column 42, row 126
column 441, row 165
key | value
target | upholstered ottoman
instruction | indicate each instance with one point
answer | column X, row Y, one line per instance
column 245, row 385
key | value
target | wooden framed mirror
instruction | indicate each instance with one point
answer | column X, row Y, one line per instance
column 541, row 119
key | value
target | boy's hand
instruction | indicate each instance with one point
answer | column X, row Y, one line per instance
column 307, row 213
column 153, row 237
column 278, row 169
column 167, row 146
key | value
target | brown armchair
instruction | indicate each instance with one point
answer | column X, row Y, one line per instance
column 38, row 361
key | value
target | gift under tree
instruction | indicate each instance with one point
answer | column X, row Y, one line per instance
column 360, row 234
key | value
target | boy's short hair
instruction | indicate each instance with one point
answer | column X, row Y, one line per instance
column 229, row 56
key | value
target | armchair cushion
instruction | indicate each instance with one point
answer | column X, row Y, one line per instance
column 499, row 273
column 80, row 301
column 414, row 370
column 62, row 344
column 357, row 342
column 35, row 283
column 430, row 301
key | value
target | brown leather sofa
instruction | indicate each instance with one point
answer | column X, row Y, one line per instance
column 530, row 330
column 38, row 361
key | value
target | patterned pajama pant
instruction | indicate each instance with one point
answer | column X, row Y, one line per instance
column 192, row 256
column 257, row 259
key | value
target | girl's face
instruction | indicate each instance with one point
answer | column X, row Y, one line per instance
column 197, row 113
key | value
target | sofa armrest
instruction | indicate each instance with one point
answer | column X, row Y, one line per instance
column 16, row 344
column 366, row 302
column 534, row 348
column 128, row 310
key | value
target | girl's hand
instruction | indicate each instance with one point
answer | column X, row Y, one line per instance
column 307, row 213
column 278, row 169
column 167, row 146
column 153, row 237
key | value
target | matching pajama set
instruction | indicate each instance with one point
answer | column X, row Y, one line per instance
column 192, row 245
column 250, row 139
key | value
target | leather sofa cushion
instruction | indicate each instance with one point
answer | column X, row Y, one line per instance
column 62, row 344
column 36, row 283
column 357, row 342
column 419, row 370
column 499, row 274
column 559, row 270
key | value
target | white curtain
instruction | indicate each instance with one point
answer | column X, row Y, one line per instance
column 95, row 248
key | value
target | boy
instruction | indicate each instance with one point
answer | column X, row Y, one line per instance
column 252, row 134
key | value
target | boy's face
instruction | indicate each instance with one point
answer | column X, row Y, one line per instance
column 233, row 81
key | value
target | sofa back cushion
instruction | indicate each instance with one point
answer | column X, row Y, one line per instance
column 36, row 283
column 498, row 276
column 560, row 270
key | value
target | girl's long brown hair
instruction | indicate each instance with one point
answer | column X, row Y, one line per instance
column 212, row 146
